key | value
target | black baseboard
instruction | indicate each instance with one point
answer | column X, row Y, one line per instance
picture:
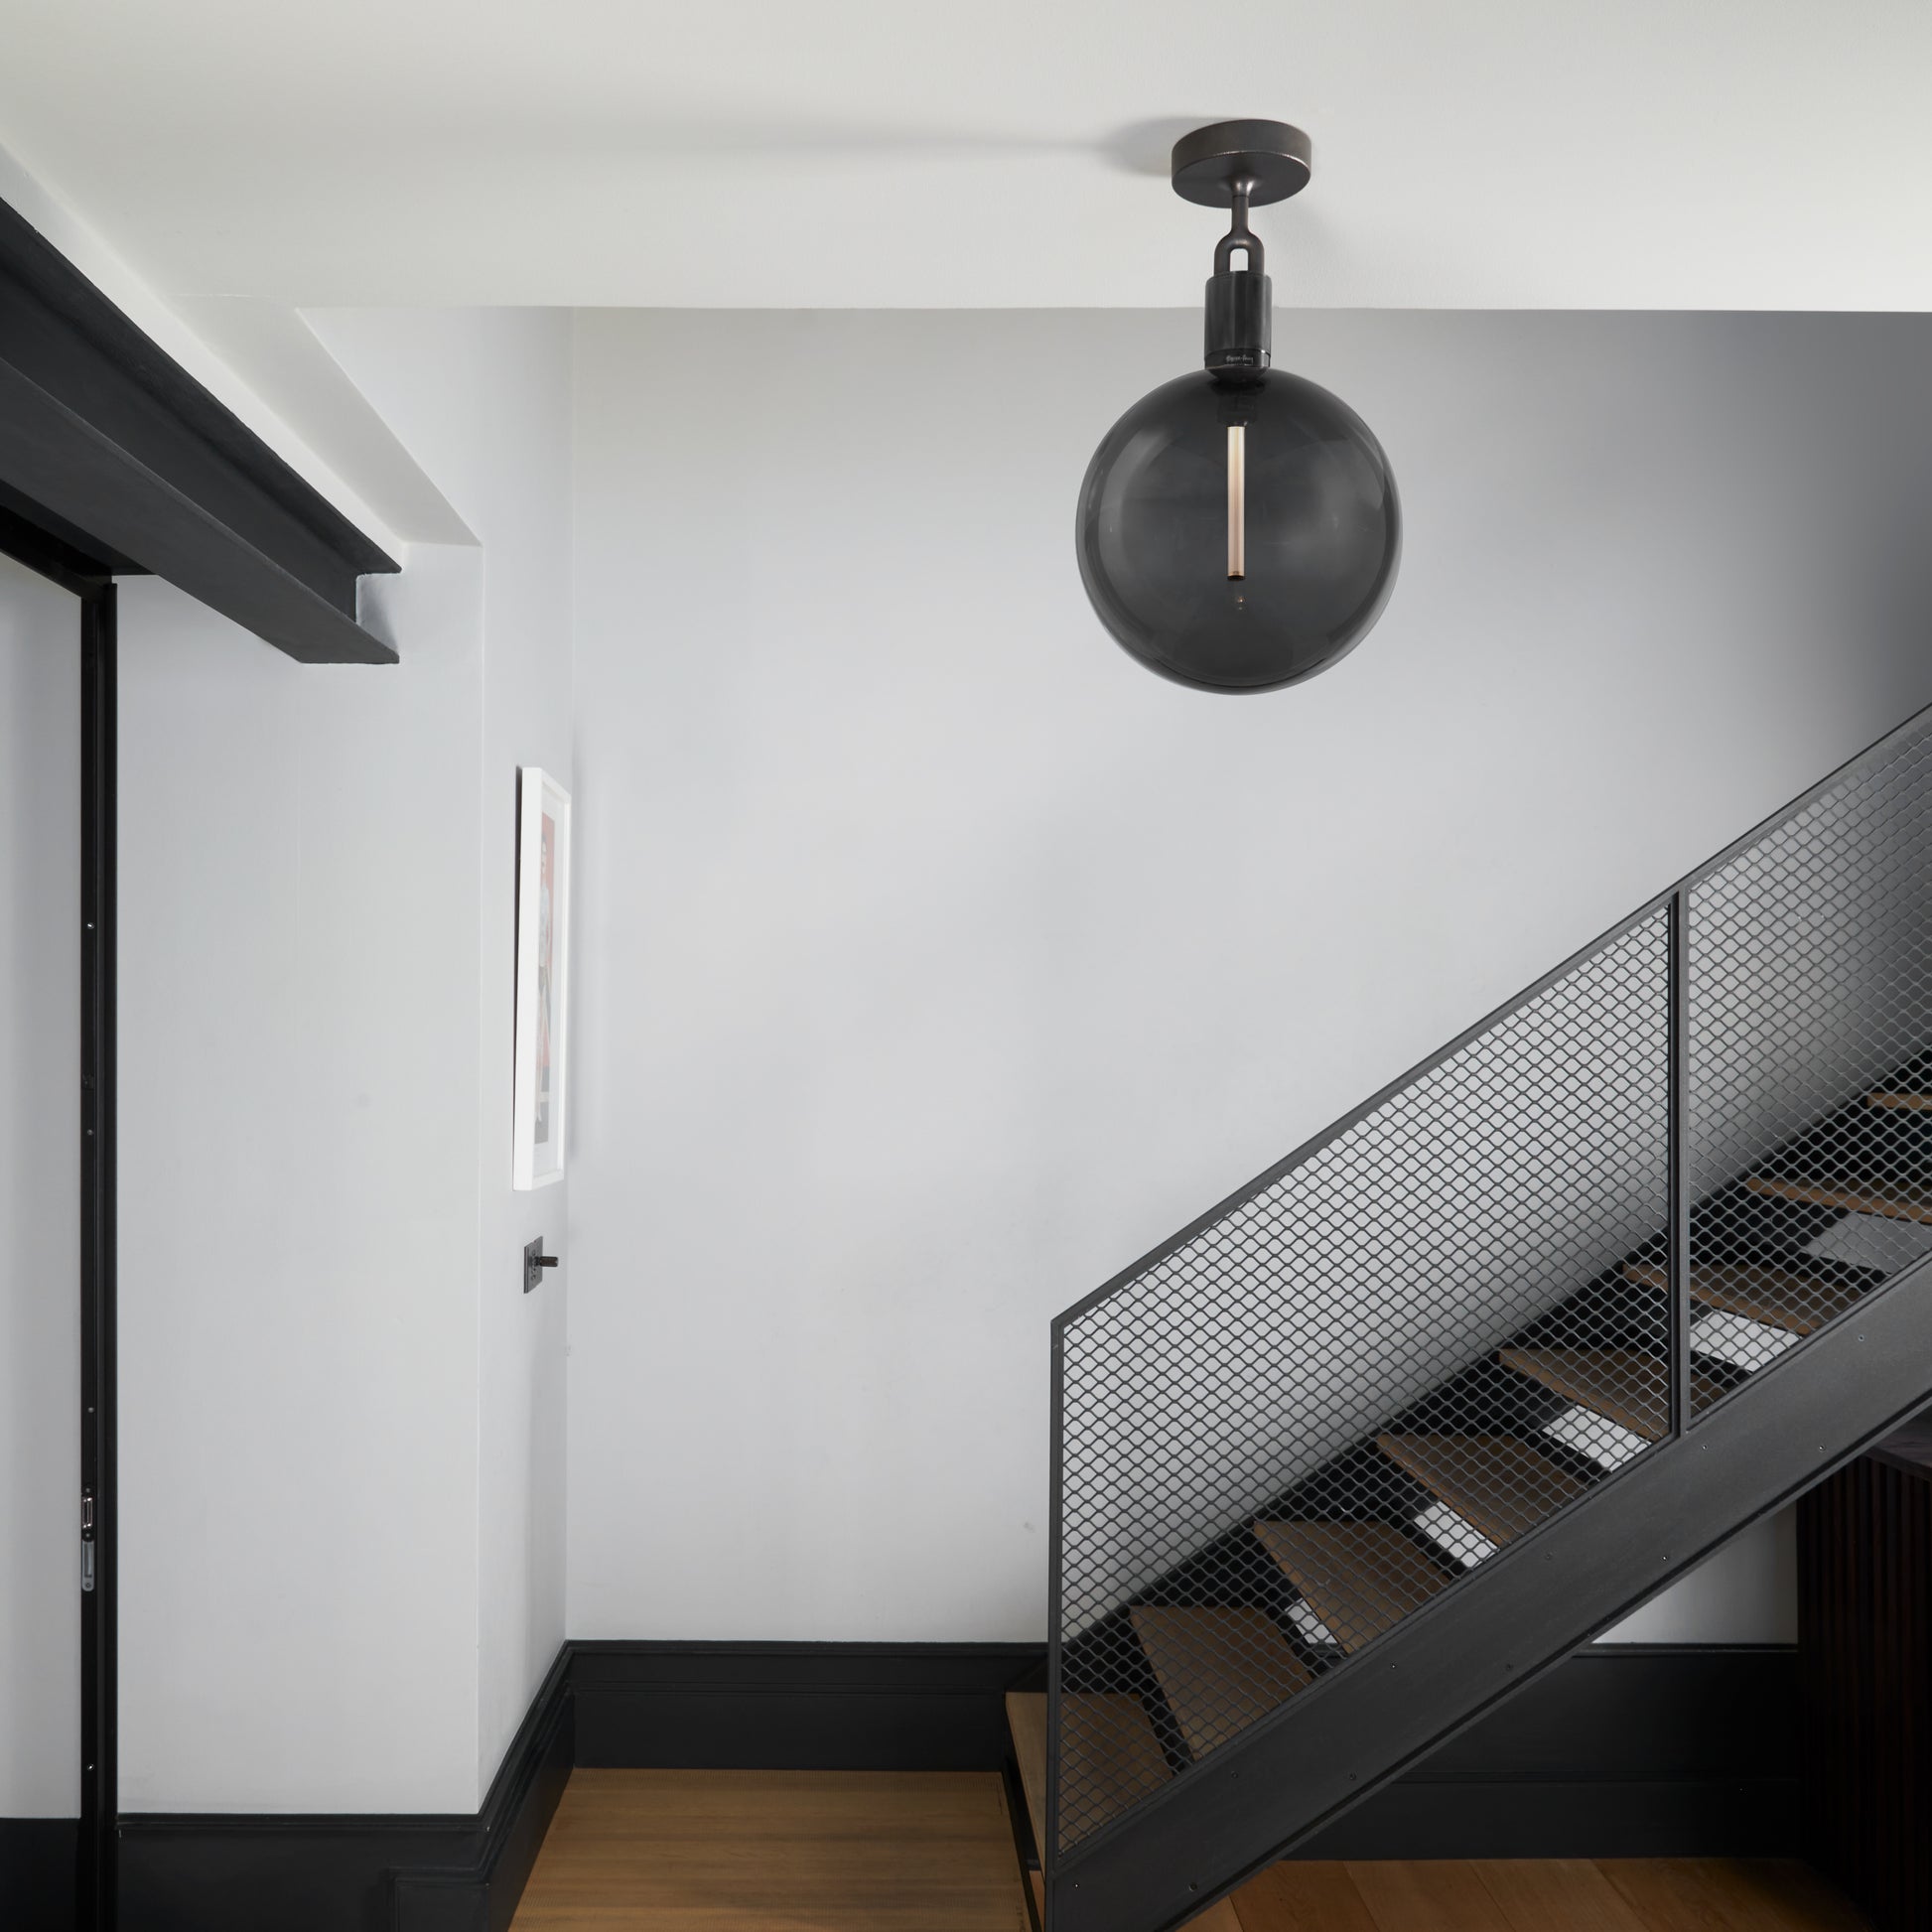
column 195, row 1872
column 1627, row 1750
column 1633, row 1750
column 783, row 1706
column 37, row 1866
column 481, row 1893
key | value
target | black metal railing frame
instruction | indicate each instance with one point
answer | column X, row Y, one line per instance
column 1676, row 902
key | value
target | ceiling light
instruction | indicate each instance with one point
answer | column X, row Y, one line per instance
column 1239, row 528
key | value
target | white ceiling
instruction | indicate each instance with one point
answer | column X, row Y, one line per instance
column 840, row 153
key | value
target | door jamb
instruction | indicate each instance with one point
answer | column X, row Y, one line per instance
column 96, row 1896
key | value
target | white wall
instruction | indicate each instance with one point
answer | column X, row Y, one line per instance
column 39, row 1197
column 935, row 960
column 298, row 1210
column 482, row 399
column 342, row 1427
column 1747, row 1594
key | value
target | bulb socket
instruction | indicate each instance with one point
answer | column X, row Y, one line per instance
column 1238, row 322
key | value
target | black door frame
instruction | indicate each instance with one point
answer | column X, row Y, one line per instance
column 95, row 1572
column 96, row 1892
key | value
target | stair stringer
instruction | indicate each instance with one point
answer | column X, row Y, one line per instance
column 1520, row 1613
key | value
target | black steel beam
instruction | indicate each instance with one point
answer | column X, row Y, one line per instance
column 108, row 445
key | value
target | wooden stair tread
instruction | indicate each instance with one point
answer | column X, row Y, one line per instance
column 1860, row 1196
column 1624, row 1385
column 1027, row 1724
column 1775, row 1296
column 1221, row 1669
column 1358, row 1578
column 1917, row 1103
column 1109, row 1754
column 1498, row 1483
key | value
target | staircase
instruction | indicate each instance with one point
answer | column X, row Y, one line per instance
column 1468, row 1377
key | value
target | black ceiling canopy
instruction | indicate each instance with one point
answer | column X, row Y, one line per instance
column 1239, row 527
column 111, row 449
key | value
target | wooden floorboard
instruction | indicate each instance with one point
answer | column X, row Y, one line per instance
column 1544, row 1895
column 1302, row 1896
column 1219, row 1918
column 933, row 1851
column 1428, row 1896
column 1731, row 1895
column 778, row 1852
column 1557, row 1895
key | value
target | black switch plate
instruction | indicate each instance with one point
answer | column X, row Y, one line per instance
column 535, row 1261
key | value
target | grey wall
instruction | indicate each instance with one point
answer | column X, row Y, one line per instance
column 935, row 960
column 40, row 1196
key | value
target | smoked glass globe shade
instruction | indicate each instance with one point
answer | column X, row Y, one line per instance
column 1239, row 534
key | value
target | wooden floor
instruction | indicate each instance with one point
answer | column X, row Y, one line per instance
column 1544, row 1895
column 932, row 1852
column 778, row 1852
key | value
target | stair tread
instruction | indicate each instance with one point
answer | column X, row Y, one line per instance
column 1917, row 1103
column 1359, row 1578
column 1221, row 1669
column 1499, row 1483
column 1900, row 1203
column 1027, row 1723
column 1775, row 1296
column 1109, row 1753
column 1622, row 1384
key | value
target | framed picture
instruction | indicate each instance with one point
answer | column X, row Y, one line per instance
column 542, row 977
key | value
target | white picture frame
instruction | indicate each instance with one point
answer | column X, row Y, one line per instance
column 542, row 980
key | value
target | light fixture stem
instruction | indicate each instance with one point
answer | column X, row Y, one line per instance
column 1241, row 236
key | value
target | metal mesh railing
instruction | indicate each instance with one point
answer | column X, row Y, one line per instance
column 1810, row 1030
column 1456, row 1314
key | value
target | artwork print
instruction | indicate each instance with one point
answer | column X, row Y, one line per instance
column 546, row 980
column 542, row 979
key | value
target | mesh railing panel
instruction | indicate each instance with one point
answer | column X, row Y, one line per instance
column 1453, row 1318
column 1326, row 1350
column 1810, row 1145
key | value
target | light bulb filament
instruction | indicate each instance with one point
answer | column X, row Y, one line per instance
column 1237, row 499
